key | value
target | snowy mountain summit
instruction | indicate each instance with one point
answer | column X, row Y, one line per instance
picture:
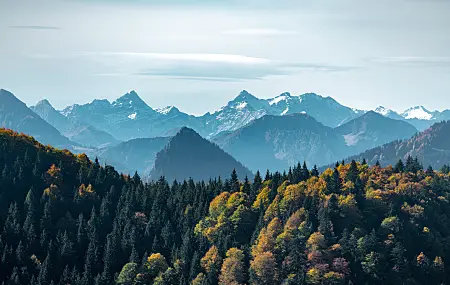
column 418, row 112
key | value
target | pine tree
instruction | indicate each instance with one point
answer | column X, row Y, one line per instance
column 399, row 167
column 399, row 264
column 109, row 257
column 234, row 182
column 246, row 188
column 353, row 172
column 257, row 182
column 67, row 249
column 305, row 172
column 268, row 176
column 429, row 171
column 315, row 171
column 20, row 254
column 90, row 260
column 45, row 271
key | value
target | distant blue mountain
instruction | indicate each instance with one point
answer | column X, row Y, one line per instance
column 74, row 130
column 15, row 115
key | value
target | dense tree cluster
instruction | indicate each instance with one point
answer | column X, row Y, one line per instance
column 68, row 220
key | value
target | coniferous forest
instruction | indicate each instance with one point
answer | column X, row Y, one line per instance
column 68, row 220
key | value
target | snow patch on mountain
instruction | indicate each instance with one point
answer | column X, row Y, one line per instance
column 382, row 110
column 165, row 110
column 278, row 99
column 132, row 116
column 241, row 106
column 352, row 139
column 68, row 110
column 418, row 112
column 285, row 111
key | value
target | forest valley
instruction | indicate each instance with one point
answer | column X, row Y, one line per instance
column 68, row 220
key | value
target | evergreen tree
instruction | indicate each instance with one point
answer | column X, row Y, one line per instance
column 315, row 171
column 399, row 167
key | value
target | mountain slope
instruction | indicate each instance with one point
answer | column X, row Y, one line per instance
column 277, row 142
column 372, row 129
column 76, row 131
column 134, row 155
column 46, row 111
column 431, row 147
column 15, row 115
column 128, row 117
column 246, row 108
column 418, row 116
column 388, row 113
column 237, row 113
column 325, row 110
column 189, row 155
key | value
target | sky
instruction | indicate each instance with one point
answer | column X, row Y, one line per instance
column 199, row 54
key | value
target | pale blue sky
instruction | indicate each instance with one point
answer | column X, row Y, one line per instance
column 198, row 55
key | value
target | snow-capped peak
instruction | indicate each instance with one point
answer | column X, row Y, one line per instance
column 382, row 110
column 418, row 112
column 282, row 97
column 166, row 110
column 130, row 100
column 244, row 96
column 68, row 110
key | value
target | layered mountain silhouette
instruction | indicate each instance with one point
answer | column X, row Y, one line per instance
column 287, row 140
column 15, row 115
column 372, row 129
column 273, row 133
column 134, row 155
column 74, row 130
column 128, row 117
column 418, row 116
column 188, row 155
column 431, row 147
column 277, row 142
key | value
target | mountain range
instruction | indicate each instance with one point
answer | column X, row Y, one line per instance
column 72, row 128
column 286, row 129
column 129, row 117
column 286, row 140
column 15, row 115
column 431, row 147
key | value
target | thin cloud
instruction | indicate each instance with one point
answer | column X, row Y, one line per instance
column 196, row 66
column 259, row 32
column 35, row 27
column 419, row 61
column 218, row 58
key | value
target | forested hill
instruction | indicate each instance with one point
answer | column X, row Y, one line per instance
column 68, row 220
column 431, row 147
column 188, row 155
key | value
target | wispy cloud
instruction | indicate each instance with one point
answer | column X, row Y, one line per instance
column 259, row 32
column 206, row 67
column 189, row 57
column 35, row 27
column 193, row 66
column 419, row 61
